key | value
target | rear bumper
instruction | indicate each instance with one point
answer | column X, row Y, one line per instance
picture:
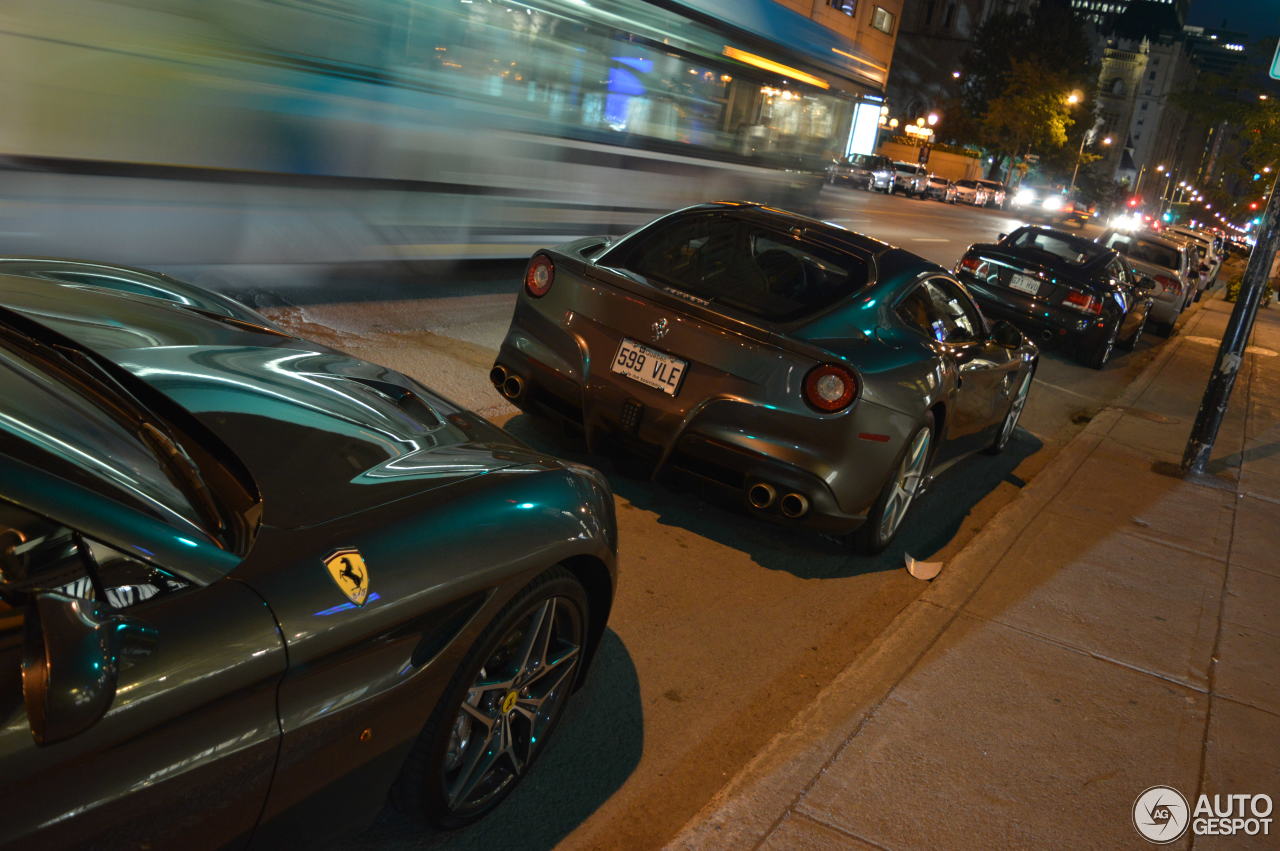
column 1047, row 326
column 720, row 445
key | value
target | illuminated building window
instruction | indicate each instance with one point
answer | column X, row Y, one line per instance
column 846, row 6
column 882, row 19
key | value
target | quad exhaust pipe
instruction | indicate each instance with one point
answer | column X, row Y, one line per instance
column 794, row 505
column 761, row 495
column 508, row 383
column 513, row 387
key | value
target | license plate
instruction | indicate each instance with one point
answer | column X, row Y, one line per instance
column 1026, row 283
column 650, row 367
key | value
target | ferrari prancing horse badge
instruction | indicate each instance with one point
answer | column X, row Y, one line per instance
column 348, row 570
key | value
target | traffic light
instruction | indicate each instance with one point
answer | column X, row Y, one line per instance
column 1253, row 205
column 1257, row 176
column 1168, row 217
column 1133, row 202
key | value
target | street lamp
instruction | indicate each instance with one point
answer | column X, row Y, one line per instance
column 1106, row 140
column 933, row 118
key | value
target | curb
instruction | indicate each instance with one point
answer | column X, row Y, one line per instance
column 765, row 789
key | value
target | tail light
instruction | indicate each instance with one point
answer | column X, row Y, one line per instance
column 1083, row 302
column 830, row 387
column 975, row 266
column 1169, row 285
column 539, row 276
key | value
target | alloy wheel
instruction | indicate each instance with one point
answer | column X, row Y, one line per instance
column 1015, row 411
column 512, row 704
column 906, row 484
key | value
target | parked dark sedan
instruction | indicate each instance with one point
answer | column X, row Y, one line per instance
column 248, row 583
column 816, row 376
column 1061, row 288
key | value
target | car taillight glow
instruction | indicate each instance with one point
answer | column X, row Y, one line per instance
column 539, row 276
column 974, row 266
column 1083, row 302
column 830, row 387
column 1169, row 285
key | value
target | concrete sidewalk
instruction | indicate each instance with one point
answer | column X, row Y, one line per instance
column 1115, row 628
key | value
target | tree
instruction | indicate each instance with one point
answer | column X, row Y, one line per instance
column 1051, row 37
column 1031, row 113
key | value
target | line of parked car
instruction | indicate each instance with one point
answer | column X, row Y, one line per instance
column 241, row 568
column 876, row 172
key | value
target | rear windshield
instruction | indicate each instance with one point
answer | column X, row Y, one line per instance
column 746, row 266
column 1144, row 250
column 992, row 184
column 1077, row 252
column 868, row 161
column 969, row 183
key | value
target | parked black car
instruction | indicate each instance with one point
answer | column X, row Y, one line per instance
column 1061, row 289
column 248, row 584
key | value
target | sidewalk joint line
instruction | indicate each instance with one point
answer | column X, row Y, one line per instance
column 1173, row 546
column 813, row 817
column 1238, row 702
column 1212, row 678
column 1087, row 653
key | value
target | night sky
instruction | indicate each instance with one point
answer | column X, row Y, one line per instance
column 1259, row 18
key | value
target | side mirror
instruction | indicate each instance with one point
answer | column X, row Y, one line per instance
column 1001, row 237
column 1146, row 284
column 1005, row 334
column 69, row 664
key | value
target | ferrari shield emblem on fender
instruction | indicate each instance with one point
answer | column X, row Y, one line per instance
column 348, row 570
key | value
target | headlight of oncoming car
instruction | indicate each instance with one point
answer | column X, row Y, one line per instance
column 1052, row 203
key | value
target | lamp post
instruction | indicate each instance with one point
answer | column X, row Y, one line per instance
column 1106, row 140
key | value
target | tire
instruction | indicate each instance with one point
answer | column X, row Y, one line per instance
column 432, row 779
column 1132, row 343
column 1100, row 355
column 1010, row 421
column 880, row 528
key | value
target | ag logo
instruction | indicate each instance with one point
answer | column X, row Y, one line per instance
column 660, row 328
column 1161, row 814
column 347, row 569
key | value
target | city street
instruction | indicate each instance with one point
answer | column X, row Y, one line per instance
column 723, row 628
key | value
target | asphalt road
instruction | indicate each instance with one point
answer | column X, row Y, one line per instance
column 724, row 628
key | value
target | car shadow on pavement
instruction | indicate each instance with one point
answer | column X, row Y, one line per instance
column 596, row 748
column 931, row 524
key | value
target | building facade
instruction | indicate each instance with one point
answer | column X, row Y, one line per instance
column 935, row 36
column 872, row 27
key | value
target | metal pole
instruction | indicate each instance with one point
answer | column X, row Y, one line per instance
column 1217, row 393
column 1079, row 155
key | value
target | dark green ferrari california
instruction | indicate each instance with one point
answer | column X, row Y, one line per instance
column 249, row 586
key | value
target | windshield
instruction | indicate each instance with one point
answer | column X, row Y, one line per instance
column 748, row 267
column 1145, row 250
column 99, row 426
column 81, row 441
column 870, row 162
column 1077, row 252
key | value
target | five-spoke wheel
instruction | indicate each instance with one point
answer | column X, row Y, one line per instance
column 502, row 705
